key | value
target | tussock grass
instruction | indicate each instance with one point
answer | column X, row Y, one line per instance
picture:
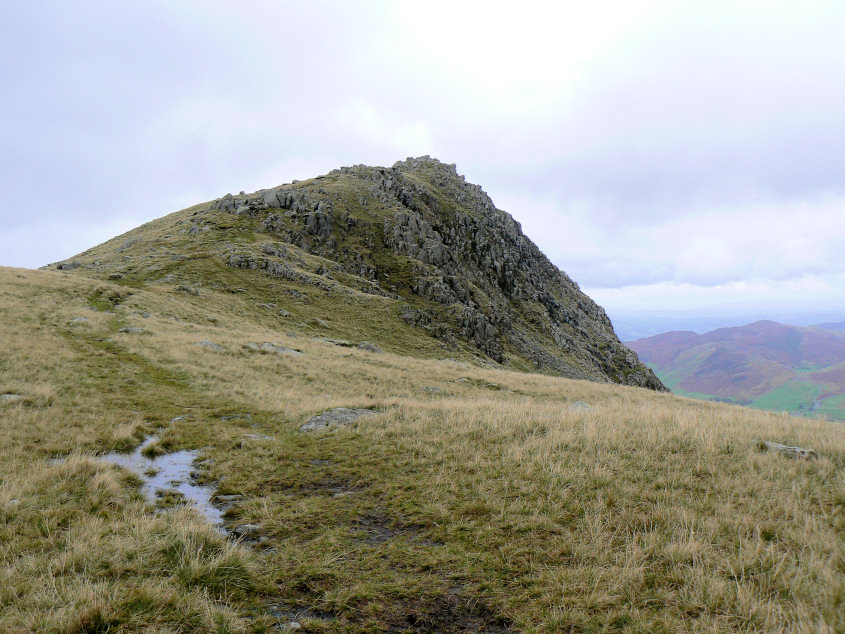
column 489, row 502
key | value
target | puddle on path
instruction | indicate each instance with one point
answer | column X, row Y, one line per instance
column 169, row 472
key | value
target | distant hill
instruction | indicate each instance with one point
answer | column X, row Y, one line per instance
column 765, row 364
column 838, row 326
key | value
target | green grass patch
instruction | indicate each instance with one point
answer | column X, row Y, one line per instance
column 794, row 396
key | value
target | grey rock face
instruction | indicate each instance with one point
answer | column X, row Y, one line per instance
column 369, row 347
column 338, row 417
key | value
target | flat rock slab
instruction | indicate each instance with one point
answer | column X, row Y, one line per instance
column 10, row 398
column 132, row 330
column 791, row 452
column 337, row 417
column 336, row 342
column 272, row 347
column 257, row 437
column 211, row 345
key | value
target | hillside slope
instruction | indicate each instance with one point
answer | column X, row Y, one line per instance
column 764, row 364
column 410, row 258
column 469, row 499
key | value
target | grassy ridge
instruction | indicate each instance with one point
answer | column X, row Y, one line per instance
column 477, row 499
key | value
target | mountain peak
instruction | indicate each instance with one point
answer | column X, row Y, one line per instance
column 447, row 265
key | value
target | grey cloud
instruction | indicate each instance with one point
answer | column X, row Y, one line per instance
column 700, row 112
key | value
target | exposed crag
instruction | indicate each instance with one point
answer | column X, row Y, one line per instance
column 416, row 235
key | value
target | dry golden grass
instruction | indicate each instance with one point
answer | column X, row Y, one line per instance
column 487, row 500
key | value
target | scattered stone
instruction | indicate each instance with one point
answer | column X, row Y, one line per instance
column 293, row 625
column 580, row 405
column 268, row 306
column 177, row 419
column 369, row 347
column 432, row 389
column 79, row 320
column 126, row 245
column 798, row 453
column 246, row 531
column 337, row 417
column 225, row 499
column 187, row 289
column 211, row 345
column 258, row 437
column 463, row 379
column 225, row 502
column 115, row 276
column 69, row 266
column 140, row 313
column 12, row 503
column 283, row 313
column 246, row 416
column 132, row 330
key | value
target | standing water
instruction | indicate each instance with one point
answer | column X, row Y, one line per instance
column 166, row 473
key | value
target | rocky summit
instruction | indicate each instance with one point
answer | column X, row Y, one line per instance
column 406, row 256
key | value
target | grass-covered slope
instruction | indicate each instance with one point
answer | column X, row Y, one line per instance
column 764, row 364
column 475, row 499
column 411, row 257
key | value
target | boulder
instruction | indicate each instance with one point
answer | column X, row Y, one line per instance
column 271, row 198
column 246, row 531
column 369, row 347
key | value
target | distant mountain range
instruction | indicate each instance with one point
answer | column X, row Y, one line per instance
column 764, row 364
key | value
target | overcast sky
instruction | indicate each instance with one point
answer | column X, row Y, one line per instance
column 669, row 156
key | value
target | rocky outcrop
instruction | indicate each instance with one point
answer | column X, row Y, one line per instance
column 418, row 231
